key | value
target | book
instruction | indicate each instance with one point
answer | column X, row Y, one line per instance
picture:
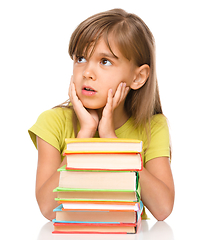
column 90, row 180
column 93, row 196
column 83, row 216
column 97, row 228
column 103, row 144
column 101, row 206
column 118, row 161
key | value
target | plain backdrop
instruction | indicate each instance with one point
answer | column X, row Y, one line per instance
column 35, row 71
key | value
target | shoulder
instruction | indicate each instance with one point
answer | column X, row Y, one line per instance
column 158, row 144
column 159, row 126
column 53, row 126
column 158, row 120
column 56, row 118
column 159, row 123
column 56, row 114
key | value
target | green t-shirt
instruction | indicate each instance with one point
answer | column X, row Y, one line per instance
column 54, row 125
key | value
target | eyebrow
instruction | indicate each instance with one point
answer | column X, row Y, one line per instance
column 103, row 54
column 109, row 55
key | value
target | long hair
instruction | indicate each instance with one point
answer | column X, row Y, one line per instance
column 136, row 43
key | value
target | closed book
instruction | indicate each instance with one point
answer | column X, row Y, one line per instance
column 101, row 206
column 113, row 161
column 96, row 228
column 82, row 216
column 93, row 196
column 103, row 144
column 83, row 180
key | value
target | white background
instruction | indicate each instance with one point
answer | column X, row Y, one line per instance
column 35, row 71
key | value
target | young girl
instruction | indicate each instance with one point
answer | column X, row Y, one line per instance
column 113, row 94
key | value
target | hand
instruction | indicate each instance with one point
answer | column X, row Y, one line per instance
column 106, row 124
column 88, row 118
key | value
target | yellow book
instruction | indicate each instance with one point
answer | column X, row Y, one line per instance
column 103, row 145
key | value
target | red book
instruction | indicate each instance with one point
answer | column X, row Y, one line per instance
column 96, row 228
column 104, row 161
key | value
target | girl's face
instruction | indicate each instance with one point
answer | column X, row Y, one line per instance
column 93, row 77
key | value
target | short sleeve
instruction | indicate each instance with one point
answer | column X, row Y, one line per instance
column 159, row 145
column 47, row 127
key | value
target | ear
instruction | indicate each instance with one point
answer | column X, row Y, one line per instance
column 140, row 77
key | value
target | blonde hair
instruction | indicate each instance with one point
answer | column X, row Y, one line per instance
column 136, row 42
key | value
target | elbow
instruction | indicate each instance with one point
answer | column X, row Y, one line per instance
column 47, row 212
column 46, row 209
column 165, row 208
column 164, row 212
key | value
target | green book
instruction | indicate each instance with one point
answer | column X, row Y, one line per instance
column 99, row 180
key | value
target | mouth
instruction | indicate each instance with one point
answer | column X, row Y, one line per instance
column 88, row 91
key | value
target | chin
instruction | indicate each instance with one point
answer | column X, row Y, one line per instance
column 93, row 105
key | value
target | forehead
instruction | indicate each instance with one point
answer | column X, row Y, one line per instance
column 105, row 47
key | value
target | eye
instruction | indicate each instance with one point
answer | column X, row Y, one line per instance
column 106, row 62
column 81, row 60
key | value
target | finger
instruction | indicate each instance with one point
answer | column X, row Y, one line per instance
column 73, row 93
column 110, row 98
column 117, row 95
column 73, row 96
column 124, row 92
column 69, row 90
column 109, row 105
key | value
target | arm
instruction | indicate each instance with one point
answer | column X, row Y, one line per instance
column 47, row 178
column 157, row 187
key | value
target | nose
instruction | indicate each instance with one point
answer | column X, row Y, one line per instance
column 89, row 73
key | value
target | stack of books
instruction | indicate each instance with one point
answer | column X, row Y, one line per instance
column 99, row 189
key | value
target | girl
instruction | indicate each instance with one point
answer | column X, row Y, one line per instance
column 113, row 93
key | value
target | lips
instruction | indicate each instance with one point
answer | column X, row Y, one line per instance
column 88, row 88
column 88, row 91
